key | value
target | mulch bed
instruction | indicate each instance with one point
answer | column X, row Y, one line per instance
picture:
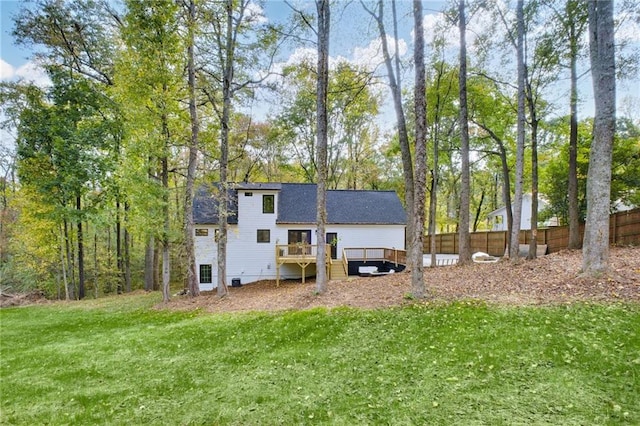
column 551, row 279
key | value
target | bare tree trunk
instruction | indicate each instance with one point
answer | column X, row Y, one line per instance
column 96, row 275
column 324, row 14
column 514, row 243
column 574, row 214
column 420, row 179
column 478, row 211
column 118, row 244
column 227, row 78
column 192, row 282
column 149, row 263
column 81, row 279
column 166, row 268
column 403, row 135
column 463, row 234
column 433, row 200
column 533, row 245
column 127, row 255
column 71, row 291
column 595, row 251
column 157, row 260
column 65, row 281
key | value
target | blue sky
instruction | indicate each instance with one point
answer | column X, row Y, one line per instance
column 8, row 51
column 354, row 38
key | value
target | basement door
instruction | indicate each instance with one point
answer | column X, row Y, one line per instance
column 332, row 240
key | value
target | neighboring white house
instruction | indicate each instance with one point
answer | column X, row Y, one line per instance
column 262, row 215
column 498, row 218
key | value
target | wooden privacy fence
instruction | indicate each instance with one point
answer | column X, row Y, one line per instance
column 624, row 229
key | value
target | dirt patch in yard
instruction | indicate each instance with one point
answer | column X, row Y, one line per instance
column 551, row 279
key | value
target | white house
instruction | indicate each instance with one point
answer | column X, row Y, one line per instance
column 498, row 218
column 265, row 215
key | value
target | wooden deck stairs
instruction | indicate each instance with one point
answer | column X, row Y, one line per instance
column 337, row 271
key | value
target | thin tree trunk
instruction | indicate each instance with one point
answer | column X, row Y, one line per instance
column 227, row 78
column 166, row 268
column 96, row 277
column 533, row 245
column 324, row 14
column 71, row 293
column 478, row 211
column 574, row 214
column 514, row 247
column 65, row 281
column 157, row 261
column 595, row 251
column 420, row 179
column 81, row 279
column 127, row 254
column 149, row 264
column 118, row 244
column 433, row 200
column 465, row 180
column 192, row 282
column 403, row 135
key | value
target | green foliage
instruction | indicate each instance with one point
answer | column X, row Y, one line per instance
column 352, row 105
column 461, row 363
column 625, row 172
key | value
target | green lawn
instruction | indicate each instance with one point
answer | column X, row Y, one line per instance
column 116, row 361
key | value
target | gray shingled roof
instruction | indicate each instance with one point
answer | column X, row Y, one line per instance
column 205, row 205
column 297, row 204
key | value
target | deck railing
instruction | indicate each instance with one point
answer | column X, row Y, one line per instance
column 299, row 251
column 375, row 254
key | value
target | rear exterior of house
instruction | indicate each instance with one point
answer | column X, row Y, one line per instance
column 264, row 215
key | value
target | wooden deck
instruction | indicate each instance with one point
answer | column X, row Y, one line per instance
column 304, row 255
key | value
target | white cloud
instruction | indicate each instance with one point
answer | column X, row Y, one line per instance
column 255, row 14
column 34, row 73
column 371, row 56
column 6, row 71
column 30, row 72
column 438, row 25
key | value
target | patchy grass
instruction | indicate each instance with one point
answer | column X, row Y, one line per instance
column 118, row 361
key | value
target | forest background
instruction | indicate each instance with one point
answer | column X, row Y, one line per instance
column 99, row 159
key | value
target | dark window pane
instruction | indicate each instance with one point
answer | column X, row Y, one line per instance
column 205, row 274
column 264, row 236
column 268, row 204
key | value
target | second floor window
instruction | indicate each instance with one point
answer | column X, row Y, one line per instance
column 268, row 204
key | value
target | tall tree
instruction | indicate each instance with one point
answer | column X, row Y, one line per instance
column 576, row 22
column 192, row 283
column 150, row 89
column 595, row 251
column 570, row 17
column 420, row 179
column 352, row 105
column 514, row 242
column 324, row 21
column 63, row 151
column 393, row 74
column 465, row 189
column 239, row 40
